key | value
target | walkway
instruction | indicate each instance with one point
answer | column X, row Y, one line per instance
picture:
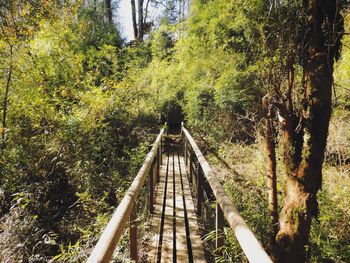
column 175, row 232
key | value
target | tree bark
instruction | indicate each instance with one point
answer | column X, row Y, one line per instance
column 134, row 22
column 109, row 11
column 180, row 10
column 271, row 170
column 304, row 150
column 140, row 20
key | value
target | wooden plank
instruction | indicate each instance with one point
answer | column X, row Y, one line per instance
column 181, row 239
column 167, row 243
column 196, row 242
column 248, row 242
column 156, row 216
column 183, row 204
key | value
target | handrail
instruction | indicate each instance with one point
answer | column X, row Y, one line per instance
column 248, row 242
column 105, row 246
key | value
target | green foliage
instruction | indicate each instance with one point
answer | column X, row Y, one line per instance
column 73, row 136
column 245, row 182
column 83, row 108
column 342, row 73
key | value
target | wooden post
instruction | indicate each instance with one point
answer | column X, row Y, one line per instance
column 133, row 236
column 151, row 188
column 161, row 150
column 199, row 190
column 185, row 150
column 219, row 238
column 158, row 164
column 191, row 164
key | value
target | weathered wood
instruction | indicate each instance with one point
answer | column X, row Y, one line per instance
column 199, row 190
column 219, row 239
column 183, row 205
column 158, row 164
column 196, row 242
column 151, row 188
column 186, row 151
column 167, row 243
column 248, row 242
column 104, row 248
column 133, row 236
column 161, row 150
column 191, row 163
column 156, row 217
column 181, row 245
column 194, row 173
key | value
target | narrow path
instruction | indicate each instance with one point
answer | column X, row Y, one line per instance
column 174, row 229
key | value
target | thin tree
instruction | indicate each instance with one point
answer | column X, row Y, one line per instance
column 109, row 11
column 134, row 20
column 140, row 20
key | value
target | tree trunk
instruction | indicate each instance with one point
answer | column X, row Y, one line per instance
column 271, row 172
column 109, row 11
column 7, row 88
column 134, row 22
column 180, row 10
column 304, row 151
column 140, row 20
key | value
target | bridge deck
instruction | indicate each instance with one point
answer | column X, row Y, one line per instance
column 174, row 228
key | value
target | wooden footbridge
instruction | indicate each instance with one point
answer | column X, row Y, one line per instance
column 179, row 184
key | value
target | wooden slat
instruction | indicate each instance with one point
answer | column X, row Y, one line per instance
column 167, row 244
column 248, row 242
column 105, row 247
column 182, row 251
column 181, row 241
column 196, row 242
column 156, row 216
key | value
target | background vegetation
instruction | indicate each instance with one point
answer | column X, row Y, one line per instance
column 83, row 105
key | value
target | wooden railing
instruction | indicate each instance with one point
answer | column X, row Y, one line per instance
column 224, row 206
column 105, row 246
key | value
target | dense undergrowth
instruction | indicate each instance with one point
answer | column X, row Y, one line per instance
column 84, row 106
column 245, row 181
column 75, row 136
